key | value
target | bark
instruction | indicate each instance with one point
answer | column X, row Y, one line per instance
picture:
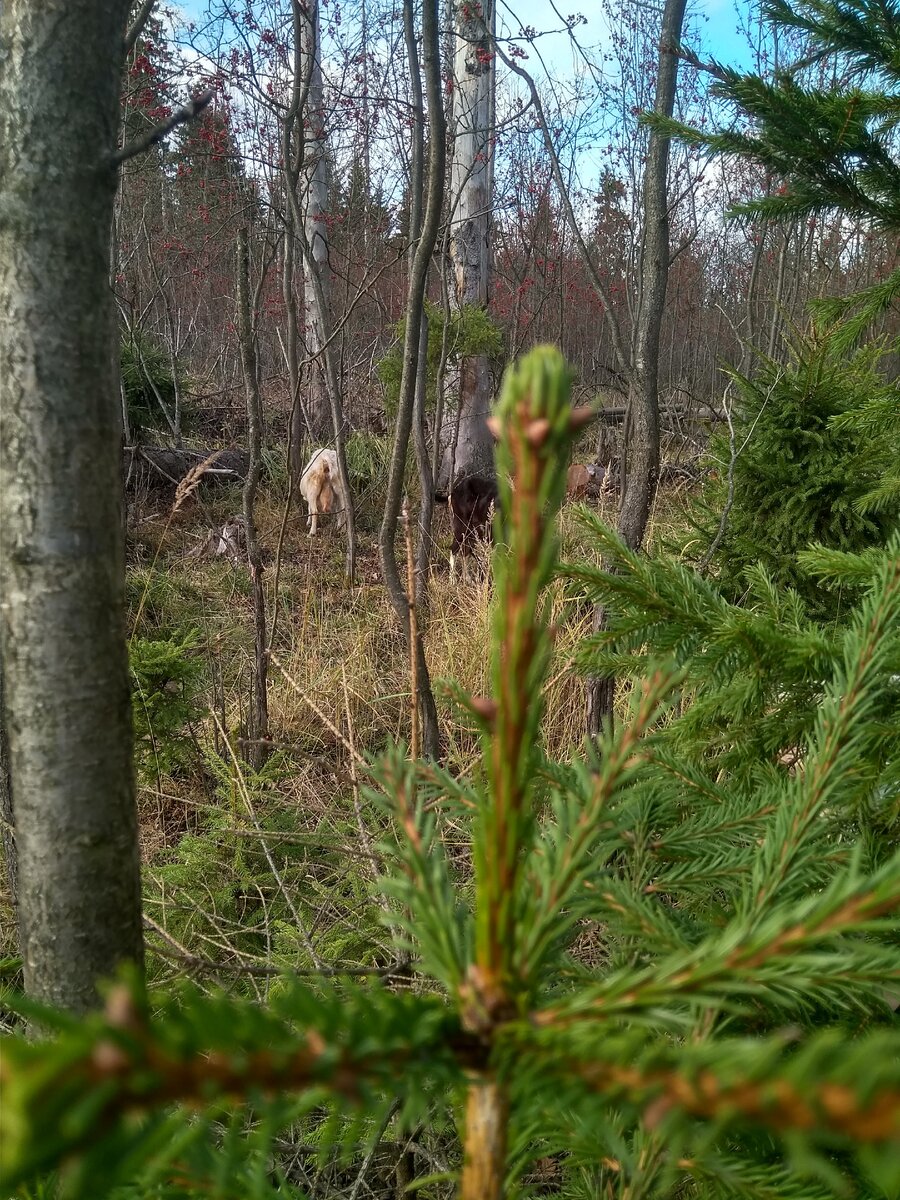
column 643, row 392
column 315, row 176
column 472, row 181
column 487, row 1128
column 258, row 721
column 641, row 453
column 292, row 150
column 411, row 347
column 65, row 665
column 416, row 190
column 7, row 819
column 299, row 419
column 315, row 261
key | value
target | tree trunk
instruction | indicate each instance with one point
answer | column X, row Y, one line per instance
column 297, row 421
column 420, row 442
column 641, row 454
column 292, row 151
column 472, row 181
column 7, row 818
column 411, row 350
column 258, row 723
column 314, row 246
column 65, row 665
column 315, row 176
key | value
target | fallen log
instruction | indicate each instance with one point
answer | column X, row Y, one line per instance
column 158, row 467
column 699, row 415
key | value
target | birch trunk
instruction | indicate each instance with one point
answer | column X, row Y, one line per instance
column 292, row 149
column 65, row 667
column 472, row 181
column 311, row 232
column 315, row 178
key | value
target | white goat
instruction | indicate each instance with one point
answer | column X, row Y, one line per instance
column 320, row 487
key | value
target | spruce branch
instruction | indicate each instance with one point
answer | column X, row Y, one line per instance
column 201, row 1051
column 560, row 867
column 840, row 727
column 738, row 1082
column 797, row 951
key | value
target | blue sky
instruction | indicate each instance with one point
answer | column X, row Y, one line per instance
column 718, row 21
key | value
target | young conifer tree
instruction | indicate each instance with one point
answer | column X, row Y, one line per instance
column 830, row 150
column 664, row 972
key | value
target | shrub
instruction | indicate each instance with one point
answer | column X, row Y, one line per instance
column 149, row 386
column 471, row 332
column 801, row 471
column 166, row 677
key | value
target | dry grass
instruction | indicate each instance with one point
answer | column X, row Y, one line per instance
column 326, row 634
column 342, row 680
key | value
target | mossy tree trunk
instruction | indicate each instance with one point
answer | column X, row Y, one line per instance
column 65, row 665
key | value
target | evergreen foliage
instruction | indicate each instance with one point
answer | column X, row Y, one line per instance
column 800, row 465
column 820, row 444
column 470, row 332
column 166, row 679
column 148, row 385
column 730, row 1034
column 834, row 148
column 252, row 865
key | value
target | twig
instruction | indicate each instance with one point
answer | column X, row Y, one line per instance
column 178, row 953
column 413, row 633
column 139, row 145
column 699, row 64
column 295, row 687
column 735, row 453
column 376, row 1142
column 276, row 875
column 373, row 859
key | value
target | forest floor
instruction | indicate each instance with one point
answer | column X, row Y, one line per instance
column 339, row 688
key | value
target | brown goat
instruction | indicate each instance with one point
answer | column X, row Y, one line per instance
column 471, row 502
column 590, row 480
column 578, row 481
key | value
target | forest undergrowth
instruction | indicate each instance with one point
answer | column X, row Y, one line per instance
column 340, row 688
column 658, row 966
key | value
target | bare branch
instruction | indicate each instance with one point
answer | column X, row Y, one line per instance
column 137, row 28
column 709, row 68
column 623, row 357
column 139, row 145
